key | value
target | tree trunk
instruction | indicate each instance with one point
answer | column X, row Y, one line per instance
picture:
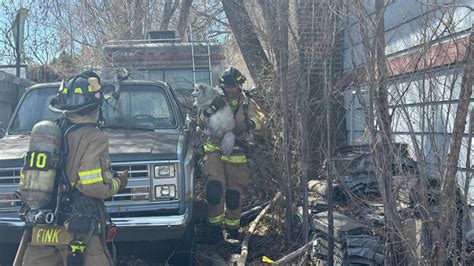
column 137, row 20
column 183, row 17
column 384, row 153
column 247, row 39
column 448, row 217
column 168, row 12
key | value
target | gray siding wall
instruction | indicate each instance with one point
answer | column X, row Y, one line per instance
column 423, row 103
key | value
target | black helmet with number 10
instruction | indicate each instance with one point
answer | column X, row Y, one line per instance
column 81, row 94
column 232, row 76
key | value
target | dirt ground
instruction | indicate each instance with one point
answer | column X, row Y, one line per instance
column 266, row 241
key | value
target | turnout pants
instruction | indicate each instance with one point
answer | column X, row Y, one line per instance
column 225, row 184
column 94, row 254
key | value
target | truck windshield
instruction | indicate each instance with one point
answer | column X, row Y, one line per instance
column 34, row 108
column 139, row 107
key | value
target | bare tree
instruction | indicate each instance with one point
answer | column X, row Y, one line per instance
column 241, row 25
column 168, row 11
column 183, row 17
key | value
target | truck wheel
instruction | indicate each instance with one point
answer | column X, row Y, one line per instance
column 184, row 247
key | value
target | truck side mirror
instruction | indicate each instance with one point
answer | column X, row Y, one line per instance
column 2, row 133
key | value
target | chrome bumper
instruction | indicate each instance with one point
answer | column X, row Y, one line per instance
column 155, row 221
column 128, row 228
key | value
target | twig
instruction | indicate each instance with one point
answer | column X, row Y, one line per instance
column 287, row 258
column 245, row 249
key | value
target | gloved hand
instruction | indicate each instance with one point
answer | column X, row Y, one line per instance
column 123, row 179
column 250, row 124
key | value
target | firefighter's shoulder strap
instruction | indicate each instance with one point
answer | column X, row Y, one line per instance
column 67, row 127
column 245, row 106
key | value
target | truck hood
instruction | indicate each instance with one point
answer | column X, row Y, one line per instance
column 124, row 145
column 131, row 145
column 13, row 147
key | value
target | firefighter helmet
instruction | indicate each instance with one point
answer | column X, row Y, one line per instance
column 80, row 94
column 232, row 76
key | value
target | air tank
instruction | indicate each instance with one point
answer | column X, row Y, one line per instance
column 39, row 166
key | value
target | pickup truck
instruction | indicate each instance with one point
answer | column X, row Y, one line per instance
column 148, row 135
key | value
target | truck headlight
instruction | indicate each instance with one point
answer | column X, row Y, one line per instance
column 164, row 171
column 165, row 191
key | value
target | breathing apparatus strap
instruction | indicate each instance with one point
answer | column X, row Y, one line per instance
column 62, row 179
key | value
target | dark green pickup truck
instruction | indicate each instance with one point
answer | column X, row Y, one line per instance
column 148, row 136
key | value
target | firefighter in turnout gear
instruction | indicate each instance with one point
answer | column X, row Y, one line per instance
column 227, row 175
column 78, row 234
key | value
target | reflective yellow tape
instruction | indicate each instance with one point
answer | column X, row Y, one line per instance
column 90, row 172
column 79, row 247
column 232, row 223
column 115, row 185
column 78, row 90
column 235, row 159
column 216, row 219
column 90, row 88
column 91, row 176
column 91, row 181
column 257, row 124
column 65, row 91
column 209, row 147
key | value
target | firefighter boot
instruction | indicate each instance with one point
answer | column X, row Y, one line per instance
column 214, row 235
column 233, row 234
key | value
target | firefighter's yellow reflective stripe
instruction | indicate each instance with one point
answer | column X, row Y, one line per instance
column 88, row 173
column 209, row 147
column 216, row 219
column 91, row 176
column 65, row 91
column 232, row 223
column 92, row 181
column 115, row 185
column 22, row 177
column 90, row 88
column 235, row 159
column 257, row 123
column 78, row 90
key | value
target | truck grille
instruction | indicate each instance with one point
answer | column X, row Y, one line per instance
column 9, row 180
column 138, row 188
